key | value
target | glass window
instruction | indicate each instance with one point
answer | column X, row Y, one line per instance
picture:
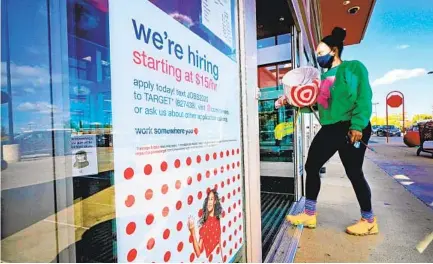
column 267, row 76
column 284, row 39
column 266, row 42
column 282, row 70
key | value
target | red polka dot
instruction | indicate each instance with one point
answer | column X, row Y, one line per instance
column 148, row 169
column 225, row 259
column 237, row 151
column 240, row 214
column 228, row 195
column 222, row 184
column 215, row 187
column 179, row 226
column 164, row 189
column 236, row 232
column 167, row 256
column 223, row 199
column 190, row 200
column 200, row 213
column 200, row 195
column 132, row 254
column 224, row 214
column 221, row 154
column 199, row 177
column 189, row 181
column 233, row 152
column 236, row 245
column 228, row 181
column 222, row 169
column 231, row 251
column 198, row 159
column 128, row 173
column 208, row 190
column 192, row 257
column 215, row 172
column 239, row 176
column 215, row 156
column 165, row 211
column 177, row 164
column 150, row 244
column 224, row 230
column 233, row 178
column 149, row 194
column 234, row 192
column 207, row 157
column 180, row 247
column 178, row 184
column 227, row 153
column 210, row 258
column 234, row 206
column 240, row 227
column 188, row 161
column 130, row 200
column 233, row 165
column 230, row 238
column 224, row 243
column 149, row 219
column 178, row 205
column 228, row 167
column 191, row 239
column 207, row 174
column 166, row 234
column 239, row 189
column 164, row 166
column 240, row 240
column 130, row 228
column 230, row 210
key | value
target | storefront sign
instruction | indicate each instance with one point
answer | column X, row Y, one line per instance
column 84, row 155
column 176, row 129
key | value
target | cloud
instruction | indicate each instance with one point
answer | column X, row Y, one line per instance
column 41, row 107
column 399, row 74
column 29, row 76
column 402, row 47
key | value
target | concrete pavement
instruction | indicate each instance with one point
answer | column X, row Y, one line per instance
column 403, row 221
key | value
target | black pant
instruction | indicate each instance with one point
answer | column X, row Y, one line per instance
column 330, row 139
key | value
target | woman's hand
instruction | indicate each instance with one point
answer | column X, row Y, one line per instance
column 355, row 136
column 191, row 224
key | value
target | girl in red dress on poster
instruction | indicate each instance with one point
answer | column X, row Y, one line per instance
column 209, row 239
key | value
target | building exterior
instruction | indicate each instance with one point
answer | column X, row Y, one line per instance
column 137, row 133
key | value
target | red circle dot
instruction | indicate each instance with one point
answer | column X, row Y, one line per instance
column 225, row 259
column 234, row 192
column 239, row 189
column 224, row 214
column 231, row 251
column 215, row 187
column 215, row 156
column 199, row 177
column 189, row 181
column 224, row 229
column 199, row 195
column 132, row 254
column 230, row 238
column 228, row 195
column 215, row 172
column 233, row 165
column 230, row 210
column 227, row 153
column 240, row 227
column 239, row 163
column 228, row 166
column 167, row 256
column 150, row 244
column 164, row 189
column 178, row 184
column 210, row 258
column 240, row 214
column 148, row 169
column 200, row 213
column 235, row 219
column 207, row 157
column 239, row 176
column 188, row 161
column 207, row 174
column 128, row 173
column 222, row 169
column 236, row 232
column 191, row 239
column 130, row 228
column 233, row 152
column 233, row 178
column 222, row 154
column 228, row 181
column 240, row 240
column 208, row 190
column 218, row 250
column 234, row 206
column 164, row 166
column 149, row 194
column 179, row 226
column 192, row 257
column 166, row 234
column 223, row 199
column 178, row 205
column 190, row 200
column 130, row 200
column 237, row 151
column 165, row 211
column 224, row 243
column 198, row 159
column 180, row 247
column 236, row 245
column 177, row 164
column 149, row 219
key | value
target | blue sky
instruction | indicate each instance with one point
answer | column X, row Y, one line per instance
column 397, row 50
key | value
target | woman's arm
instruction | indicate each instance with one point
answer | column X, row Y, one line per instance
column 197, row 245
column 363, row 105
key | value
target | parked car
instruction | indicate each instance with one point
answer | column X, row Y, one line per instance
column 390, row 131
column 374, row 129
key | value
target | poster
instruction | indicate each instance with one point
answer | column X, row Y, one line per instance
column 176, row 136
column 84, row 155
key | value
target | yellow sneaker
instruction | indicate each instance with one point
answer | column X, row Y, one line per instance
column 363, row 228
column 309, row 221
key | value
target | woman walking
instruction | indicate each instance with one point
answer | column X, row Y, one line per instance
column 345, row 107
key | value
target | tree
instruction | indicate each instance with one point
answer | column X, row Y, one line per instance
column 418, row 117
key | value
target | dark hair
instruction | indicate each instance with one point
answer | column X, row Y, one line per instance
column 217, row 209
column 336, row 39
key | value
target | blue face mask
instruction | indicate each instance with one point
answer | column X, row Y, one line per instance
column 325, row 61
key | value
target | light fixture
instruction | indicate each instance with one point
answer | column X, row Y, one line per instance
column 353, row 10
column 345, row 3
column 281, row 18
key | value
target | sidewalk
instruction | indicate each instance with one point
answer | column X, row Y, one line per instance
column 403, row 221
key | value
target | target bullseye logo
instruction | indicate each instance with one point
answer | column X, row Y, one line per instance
column 305, row 95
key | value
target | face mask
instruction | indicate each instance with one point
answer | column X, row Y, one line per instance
column 325, row 61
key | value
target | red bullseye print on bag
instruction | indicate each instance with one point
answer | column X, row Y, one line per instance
column 176, row 132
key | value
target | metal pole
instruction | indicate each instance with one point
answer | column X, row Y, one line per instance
column 8, row 73
column 387, row 126
column 375, row 110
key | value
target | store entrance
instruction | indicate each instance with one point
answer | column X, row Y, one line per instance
column 276, row 126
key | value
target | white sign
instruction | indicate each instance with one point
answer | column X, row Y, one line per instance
column 84, row 155
column 217, row 17
column 176, row 129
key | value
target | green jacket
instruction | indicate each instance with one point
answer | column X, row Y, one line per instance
column 350, row 96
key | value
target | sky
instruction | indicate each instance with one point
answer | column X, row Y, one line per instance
column 397, row 49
